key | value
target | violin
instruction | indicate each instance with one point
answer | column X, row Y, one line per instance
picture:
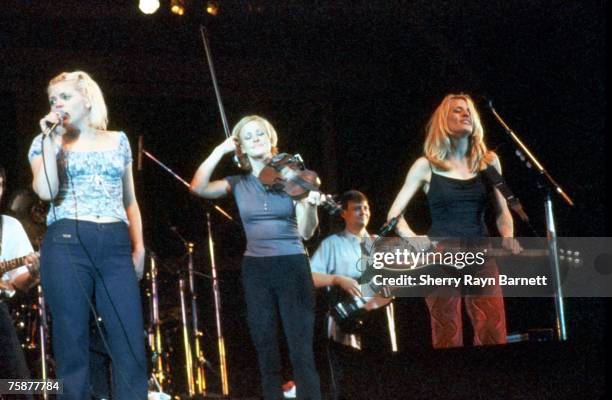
column 287, row 173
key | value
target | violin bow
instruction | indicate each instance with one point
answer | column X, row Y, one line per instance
column 213, row 77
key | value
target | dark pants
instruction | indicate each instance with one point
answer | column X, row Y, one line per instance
column 282, row 285
column 12, row 361
column 83, row 262
column 343, row 359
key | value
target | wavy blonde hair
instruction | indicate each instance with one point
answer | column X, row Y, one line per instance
column 437, row 142
column 270, row 131
column 84, row 84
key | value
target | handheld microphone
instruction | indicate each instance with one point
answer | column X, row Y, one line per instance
column 487, row 102
column 52, row 125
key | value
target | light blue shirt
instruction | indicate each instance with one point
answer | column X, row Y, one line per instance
column 91, row 182
column 340, row 254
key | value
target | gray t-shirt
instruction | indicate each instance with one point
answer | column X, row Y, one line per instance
column 268, row 218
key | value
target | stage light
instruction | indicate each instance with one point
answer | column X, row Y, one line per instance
column 148, row 6
column 212, row 8
column 177, row 7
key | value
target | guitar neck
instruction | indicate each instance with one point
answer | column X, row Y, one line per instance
column 523, row 253
column 8, row 265
column 369, row 289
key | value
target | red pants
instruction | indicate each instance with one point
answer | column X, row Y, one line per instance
column 485, row 311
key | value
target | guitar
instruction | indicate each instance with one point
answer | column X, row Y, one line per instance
column 349, row 312
column 9, row 265
column 444, row 252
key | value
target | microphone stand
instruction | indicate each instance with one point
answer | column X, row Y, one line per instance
column 217, row 299
column 549, row 184
column 186, row 343
column 184, row 182
column 42, row 332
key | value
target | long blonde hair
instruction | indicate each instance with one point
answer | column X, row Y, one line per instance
column 84, row 84
column 270, row 131
column 437, row 142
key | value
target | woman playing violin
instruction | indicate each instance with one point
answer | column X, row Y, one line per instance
column 275, row 269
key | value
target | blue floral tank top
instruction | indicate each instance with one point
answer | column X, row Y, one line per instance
column 91, row 182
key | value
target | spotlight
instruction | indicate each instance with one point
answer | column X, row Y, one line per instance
column 148, row 6
column 177, row 7
column 212, row 8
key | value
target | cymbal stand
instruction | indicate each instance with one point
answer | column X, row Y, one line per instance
column 217, row 298
column 186, row 341
column 155, row 337
column 200, row 378
column 197, row 333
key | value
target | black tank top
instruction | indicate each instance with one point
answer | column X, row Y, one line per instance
column 457, row 206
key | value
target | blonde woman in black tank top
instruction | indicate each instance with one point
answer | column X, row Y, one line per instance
column 450, row 174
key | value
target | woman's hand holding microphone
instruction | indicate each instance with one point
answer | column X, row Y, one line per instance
column 49, row 123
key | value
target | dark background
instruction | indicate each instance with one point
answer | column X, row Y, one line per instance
column 349, row 85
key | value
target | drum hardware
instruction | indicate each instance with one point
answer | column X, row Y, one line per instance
column 200, row 360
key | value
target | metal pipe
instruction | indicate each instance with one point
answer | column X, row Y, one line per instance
column 217, row 300
column 186, row 344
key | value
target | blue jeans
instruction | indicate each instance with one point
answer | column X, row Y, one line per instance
column 83, row 262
